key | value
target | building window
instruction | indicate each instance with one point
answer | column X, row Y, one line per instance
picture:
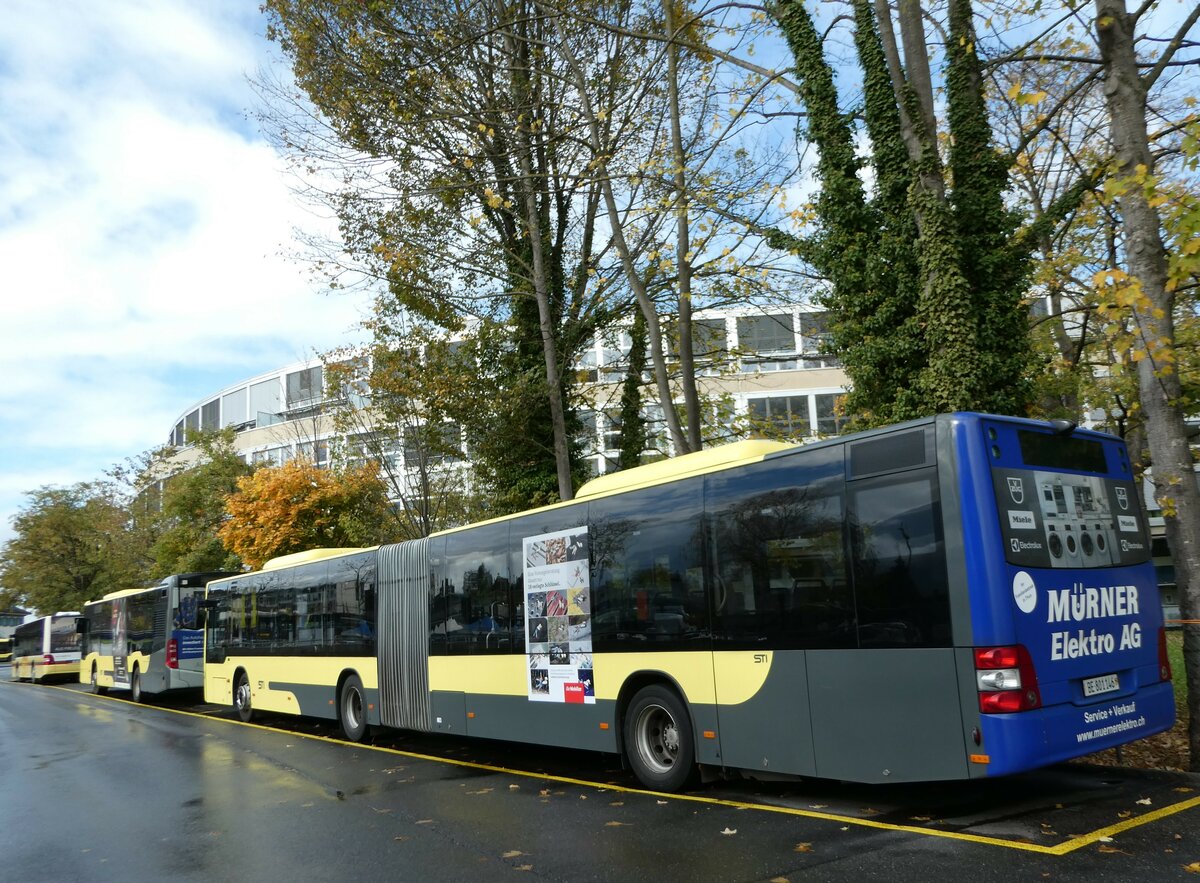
column 787, row 415
column 210, row 416
column 774, row 333
column 829, row 421
column 303, row 387
column 233, row 408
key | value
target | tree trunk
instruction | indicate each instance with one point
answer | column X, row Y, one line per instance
column 683, row 260
column 519, row 59
column 1146, row 257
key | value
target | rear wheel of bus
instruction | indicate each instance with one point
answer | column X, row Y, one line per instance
column 135, row 687
column 352, row 709
column 659, row 745
column 241, row 698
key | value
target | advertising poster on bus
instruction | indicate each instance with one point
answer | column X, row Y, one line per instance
column 558, row 617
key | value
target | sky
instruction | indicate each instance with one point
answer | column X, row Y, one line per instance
column 147, row 231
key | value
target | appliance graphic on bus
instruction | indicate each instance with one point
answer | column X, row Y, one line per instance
column 1066, row 520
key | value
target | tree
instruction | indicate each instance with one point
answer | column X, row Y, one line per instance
column 278, row 510
column 927, row 276
column 463, row 184
column 71, row 546
column 193, row 508
column 1146, row 288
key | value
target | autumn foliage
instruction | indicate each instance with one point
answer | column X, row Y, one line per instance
column 297, row 506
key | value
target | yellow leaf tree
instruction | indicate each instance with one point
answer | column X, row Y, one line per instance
column 295, row 507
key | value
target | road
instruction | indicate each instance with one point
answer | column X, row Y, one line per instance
column 96, row 789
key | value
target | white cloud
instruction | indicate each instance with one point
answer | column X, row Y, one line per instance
column 143, row 228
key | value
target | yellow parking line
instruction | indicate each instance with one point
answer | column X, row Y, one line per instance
column 1058, row 849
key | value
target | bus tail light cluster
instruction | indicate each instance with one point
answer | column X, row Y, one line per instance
column 1164, row 661
column 47, row 659
column 172, row 653
column 1006, row 680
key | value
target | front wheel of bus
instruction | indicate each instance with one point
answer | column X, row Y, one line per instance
column 241, row 698
column 95, row 684
column 659, row 744
column 135, row 686
column 352, row 709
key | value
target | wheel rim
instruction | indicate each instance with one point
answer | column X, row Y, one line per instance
column 242, row 696
column 353, row 709
column 656, row 736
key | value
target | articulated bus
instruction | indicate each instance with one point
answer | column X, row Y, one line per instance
column 146, row 640
column 952, row 598
column 46, row 647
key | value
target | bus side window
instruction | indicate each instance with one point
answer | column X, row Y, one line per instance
column 778, row 553
column 899, row 560
column 646, row 563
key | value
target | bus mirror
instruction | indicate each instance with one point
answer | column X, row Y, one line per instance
column 81, row 626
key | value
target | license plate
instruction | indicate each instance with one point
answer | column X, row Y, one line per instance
column 1103, row 684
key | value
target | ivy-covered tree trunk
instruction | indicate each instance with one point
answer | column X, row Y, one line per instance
column 1159, row 385
column 927, row 287
column 633, row 427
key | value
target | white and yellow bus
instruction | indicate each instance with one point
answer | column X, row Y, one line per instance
column 900, row 605
column 146, row 640
column 47, row 647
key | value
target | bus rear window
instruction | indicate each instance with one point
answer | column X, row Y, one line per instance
column 1057, row 452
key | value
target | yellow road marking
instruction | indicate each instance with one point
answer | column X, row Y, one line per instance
column 1059, row 849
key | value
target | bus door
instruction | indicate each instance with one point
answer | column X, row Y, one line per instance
column 185, row 647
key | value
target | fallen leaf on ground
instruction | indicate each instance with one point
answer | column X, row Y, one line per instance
column 729, row 831
column 512, row 853
column 803, row 847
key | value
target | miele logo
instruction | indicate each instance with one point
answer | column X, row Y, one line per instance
column 1016, row 490
column 1021, row 519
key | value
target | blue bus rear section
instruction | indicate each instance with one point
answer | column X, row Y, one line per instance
column 1059, row 564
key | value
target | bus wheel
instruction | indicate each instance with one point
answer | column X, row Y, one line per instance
column 659, row 745
column 352, row 709
column 95, row 684
column 135, row 686
column 241, row 698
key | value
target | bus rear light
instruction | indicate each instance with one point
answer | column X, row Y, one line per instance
column 1005, row 679
column 48, row 659
column 1164, row 661
column 172, row 653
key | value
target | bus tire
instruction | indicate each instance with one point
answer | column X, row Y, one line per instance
column 352, row 709
column 94, row 686
column 659, row 743
column 135, row 687
column 241, row 698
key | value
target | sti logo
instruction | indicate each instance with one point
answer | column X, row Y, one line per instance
column 1016, row 490
column 1122, row 499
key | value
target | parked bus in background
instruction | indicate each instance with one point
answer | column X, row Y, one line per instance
column 5, row 651
column 952, row 598
column 46, row 647
column 146, row 640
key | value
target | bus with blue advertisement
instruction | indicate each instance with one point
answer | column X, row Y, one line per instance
column 958, row 597
column 146, row 640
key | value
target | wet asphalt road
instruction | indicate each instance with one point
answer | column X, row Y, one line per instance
column 98, row 789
